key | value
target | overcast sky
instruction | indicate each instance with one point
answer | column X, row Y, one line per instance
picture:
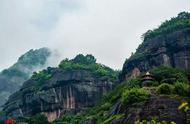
column 108, row 29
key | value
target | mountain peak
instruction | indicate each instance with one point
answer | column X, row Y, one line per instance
column 12, row 78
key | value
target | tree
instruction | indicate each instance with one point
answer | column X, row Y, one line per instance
column 38, row 119
column 81, row 59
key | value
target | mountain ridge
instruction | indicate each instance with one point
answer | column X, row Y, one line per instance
column 166, row 56
column 73, row 86
column 161, row 96
column 12, row 78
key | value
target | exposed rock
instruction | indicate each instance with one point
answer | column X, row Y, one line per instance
column 171, row 49
column 157, row 107
column 66, row 91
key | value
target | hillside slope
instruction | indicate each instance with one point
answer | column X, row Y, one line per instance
column 165, row 52
column 73, row 86
column 130, row 102
column 11, row 79
column 168, row 45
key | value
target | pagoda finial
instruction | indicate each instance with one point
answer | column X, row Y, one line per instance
column 147, row 73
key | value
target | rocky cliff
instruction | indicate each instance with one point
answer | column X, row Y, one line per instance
column 11, row 79
column 167, row 88
column 131, row 103
column 172, row 49
column 56, row 91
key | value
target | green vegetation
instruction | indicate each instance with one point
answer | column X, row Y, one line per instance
column 80, row 62
column 100, row 112
column 178, row 23
column 12, row 78
column 69, row 119
column 172, row 80
column 174, row 24
column 130, row 93
column 165, row 89
column 37, row 119
column 41, row 77
column 164, row 74
column 181, row 89
column 114, row 117
column 134, row 95
column 26, row 64
column 88, row 62
column 14, row 72
column 34, row 57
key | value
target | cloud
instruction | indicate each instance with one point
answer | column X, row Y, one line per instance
column 108, row 29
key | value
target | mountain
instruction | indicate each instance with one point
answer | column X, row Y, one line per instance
column 74, row 86
column 154, row 85
column 160, row 96
column 167, row 45
column 11, row 79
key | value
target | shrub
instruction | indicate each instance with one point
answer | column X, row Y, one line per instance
column 168, row 80
column 81, row 59
column 134, row 95
column 88, row 62
column 164, row 74
column 182, row 89
column 175, row 23
column 38, row 119
column 150, row 83
column 165, row 88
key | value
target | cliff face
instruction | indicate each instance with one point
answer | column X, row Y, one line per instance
column 158, row 101
column 11, row 79
column 159, row 107
column 172, row 49
column 66, row 91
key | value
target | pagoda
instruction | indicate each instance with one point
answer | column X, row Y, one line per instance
column 147, row 79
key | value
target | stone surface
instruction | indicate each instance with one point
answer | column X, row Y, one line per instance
column 158, row 107
column 66, row 91
column 171, row 49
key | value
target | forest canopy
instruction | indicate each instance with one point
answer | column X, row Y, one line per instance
column 174, row 24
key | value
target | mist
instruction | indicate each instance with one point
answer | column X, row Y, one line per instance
column 108, row 29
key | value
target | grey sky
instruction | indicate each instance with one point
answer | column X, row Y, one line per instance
column 108, row 29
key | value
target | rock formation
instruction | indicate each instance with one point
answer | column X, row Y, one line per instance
column 67, row 91
column 11, row 79
column 171, row 49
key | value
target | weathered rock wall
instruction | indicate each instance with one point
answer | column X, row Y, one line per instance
column 66, row 91
column 172, row 49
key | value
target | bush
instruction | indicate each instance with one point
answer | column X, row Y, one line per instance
column 88, row 62
column 70, row 119
column 81, row 59
column 134, row 95
column 176, row 23
column 168, row 81
column 165, row 88
column 150, row 83
column 38, row 119
column 181, row 89
column 164, row 74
